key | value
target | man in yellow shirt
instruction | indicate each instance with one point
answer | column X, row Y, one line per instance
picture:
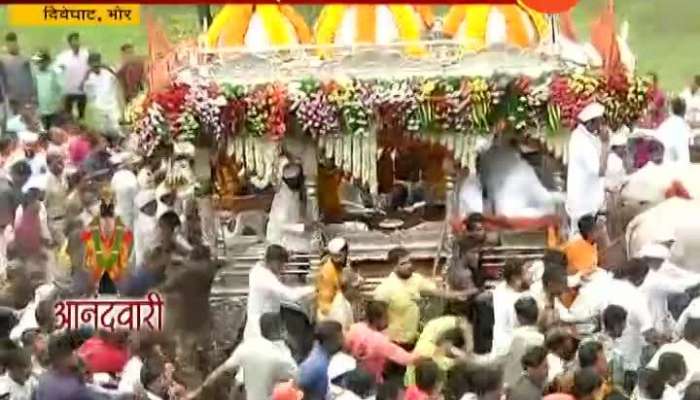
column 328, row 280
column 582, row 250
column 402, row 290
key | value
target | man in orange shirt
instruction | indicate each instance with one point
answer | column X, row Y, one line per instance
column 329, row 276
column 582, row 251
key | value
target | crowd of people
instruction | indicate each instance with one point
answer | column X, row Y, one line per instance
column 559, row 328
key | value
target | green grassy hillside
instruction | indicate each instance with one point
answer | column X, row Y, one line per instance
column 663, row 33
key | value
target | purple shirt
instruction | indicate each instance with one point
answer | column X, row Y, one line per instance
column 55, row 386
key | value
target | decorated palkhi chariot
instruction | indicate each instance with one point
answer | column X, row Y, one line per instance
column 376, row 131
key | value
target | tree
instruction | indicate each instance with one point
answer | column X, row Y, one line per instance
column 204, row 15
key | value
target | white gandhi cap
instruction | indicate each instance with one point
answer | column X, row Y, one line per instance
column 337, row 245
column 28, row 137
column 591, row 111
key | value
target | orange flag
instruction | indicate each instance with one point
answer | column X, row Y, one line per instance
column 566, row 24
column 159, row 52
column 604, row 39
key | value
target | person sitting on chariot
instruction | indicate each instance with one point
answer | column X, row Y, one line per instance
column 582, row 250
column 108, row 245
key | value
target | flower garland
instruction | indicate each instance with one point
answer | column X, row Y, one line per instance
column 266, row 111
column 569, row 95
column 316, row 113
column 524, row 105
column 203, row 104
column 458, row 105
column 625, row 99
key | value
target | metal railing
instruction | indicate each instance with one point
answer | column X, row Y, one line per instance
column 368, row 61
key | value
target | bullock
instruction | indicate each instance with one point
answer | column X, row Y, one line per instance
column 666, row 222
column 653, row 183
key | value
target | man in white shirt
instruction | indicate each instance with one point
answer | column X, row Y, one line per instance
column 266, row 292
column 145, row 225
column 624, row 291
column 689, row 348
column 589, row 302
column 125, row 187
column 525, row 336
column 505, row 295
column 17, row 381
column 674, row 133
column 691, row 96
column 73, row 62
column 663, row 280
column 265, row 361
column 561, row 345
column 616, row 172
column 470, row 195
column 588, row 150
column 102, row 90
column 33, row 153
column 56, row 195
column 7, row 209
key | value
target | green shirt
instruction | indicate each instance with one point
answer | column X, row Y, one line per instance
column 49, row 91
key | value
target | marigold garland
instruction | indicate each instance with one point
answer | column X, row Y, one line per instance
column 217, row 25
column 426, row 15
column 409, row 23
column 276, row 27
column 230, row 25
column 366, row 23
column 453, row 20
column 300, row 26
column 469, row 23
column 539, row 21
column 476, row 20
column 516, row 31
column 327, row 26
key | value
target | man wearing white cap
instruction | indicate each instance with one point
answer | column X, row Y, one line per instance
column 589, row 146
column 125, row 187
column 616, row 172
column 144, row 225
column 329, row 276
column 663, row 281
column 33, row 153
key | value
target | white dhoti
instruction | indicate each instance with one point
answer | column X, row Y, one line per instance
column 285, row 210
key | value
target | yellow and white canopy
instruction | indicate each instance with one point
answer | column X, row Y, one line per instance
column 481, row 26
column 345, row 25
column 257, row 27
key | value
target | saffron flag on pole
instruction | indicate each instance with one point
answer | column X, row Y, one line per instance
column 604, row 39
column 159, row 51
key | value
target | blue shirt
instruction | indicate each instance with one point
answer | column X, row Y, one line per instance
column 313, row 374
column 54, row 386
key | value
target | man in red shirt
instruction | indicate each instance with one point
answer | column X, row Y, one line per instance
column 132, row 72
column 372, row 348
